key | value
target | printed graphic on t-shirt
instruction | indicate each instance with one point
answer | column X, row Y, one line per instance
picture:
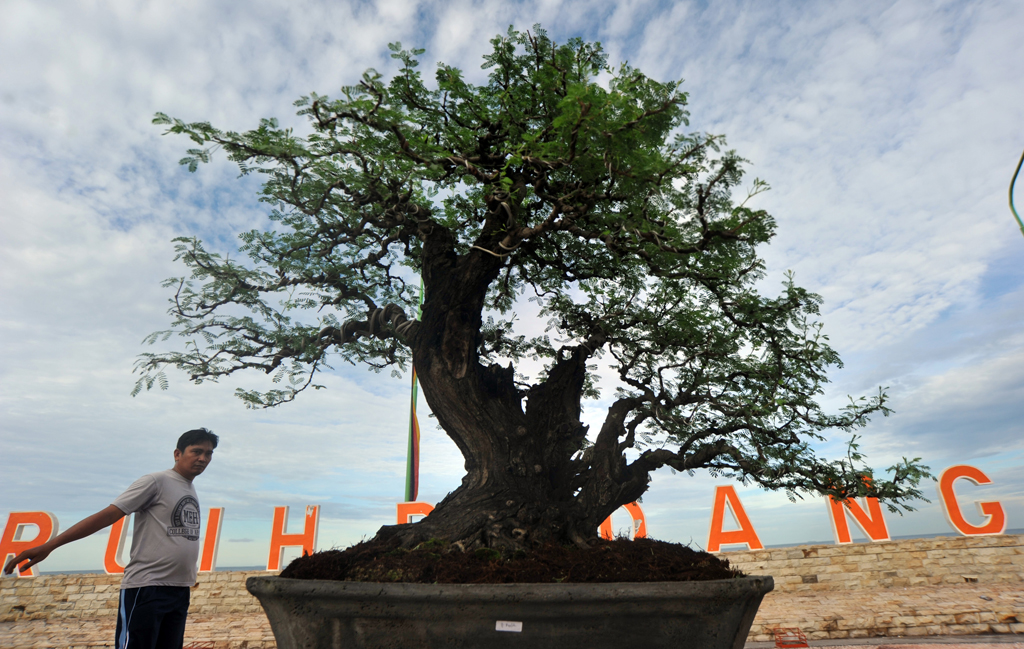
column 185, row 520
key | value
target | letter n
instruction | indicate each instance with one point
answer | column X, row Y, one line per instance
column 992, row 511
column 717, row 537
column 211, row 542
column 405, row 511
column 871, row 522
column 12, row 544
column 279, row 540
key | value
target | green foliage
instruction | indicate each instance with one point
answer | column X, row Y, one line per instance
column 566, row 181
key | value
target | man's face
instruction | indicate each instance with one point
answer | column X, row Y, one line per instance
column 193, row 460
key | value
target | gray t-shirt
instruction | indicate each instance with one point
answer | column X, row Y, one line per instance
column 165, row 545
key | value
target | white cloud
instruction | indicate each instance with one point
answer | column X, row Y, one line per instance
column 888, row 129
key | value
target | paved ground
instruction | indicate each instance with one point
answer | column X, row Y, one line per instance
column 248, row 632
column 968, row 609
column 958, row 642
column 254, row 633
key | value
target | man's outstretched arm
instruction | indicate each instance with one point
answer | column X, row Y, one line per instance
column 85, row 527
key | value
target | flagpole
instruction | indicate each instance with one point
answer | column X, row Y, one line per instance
column 412, row 463
column 1012, row 182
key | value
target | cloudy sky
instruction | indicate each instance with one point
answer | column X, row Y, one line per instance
column 889, row 132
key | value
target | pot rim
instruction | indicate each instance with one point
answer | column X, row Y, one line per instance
column 751, row 585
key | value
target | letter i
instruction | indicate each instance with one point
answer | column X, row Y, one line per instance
column 212, row 541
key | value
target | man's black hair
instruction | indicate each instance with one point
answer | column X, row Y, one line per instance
column 197, row 436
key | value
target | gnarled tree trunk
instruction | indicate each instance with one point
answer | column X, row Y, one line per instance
column 527, row 480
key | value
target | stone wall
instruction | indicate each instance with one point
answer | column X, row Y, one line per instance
column 891, row 564
column 88, row 596
column 938, row 586
column 942, row 610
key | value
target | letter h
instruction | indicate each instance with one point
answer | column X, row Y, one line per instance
column 279, row 540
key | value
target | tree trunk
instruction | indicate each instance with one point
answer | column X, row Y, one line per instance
column 522, row 479
column 519, row 485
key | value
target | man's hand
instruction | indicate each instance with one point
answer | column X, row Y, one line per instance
column 34, row 555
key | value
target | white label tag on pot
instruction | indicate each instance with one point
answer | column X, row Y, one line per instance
column 514, row 627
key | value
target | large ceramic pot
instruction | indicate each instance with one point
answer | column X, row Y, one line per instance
column 311, row 614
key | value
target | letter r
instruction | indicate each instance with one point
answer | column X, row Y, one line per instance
column 12, row 544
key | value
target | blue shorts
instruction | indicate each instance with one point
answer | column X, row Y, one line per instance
column 152, row 617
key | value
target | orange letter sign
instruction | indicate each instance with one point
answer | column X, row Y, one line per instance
column 279, row 540
column 993, row 511
column 746, row 534
column 639, row 526
column 11, row 543
column 208, row 561
column 112, row 564
column 873, row 525
column 405, row 511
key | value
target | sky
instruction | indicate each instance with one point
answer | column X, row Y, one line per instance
column 888, row 131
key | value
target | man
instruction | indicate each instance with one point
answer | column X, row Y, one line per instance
column 165, row 549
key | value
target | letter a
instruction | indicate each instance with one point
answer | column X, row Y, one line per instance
column 746, row 534
column 992, row 511
column 279, row 540
column 11, row 543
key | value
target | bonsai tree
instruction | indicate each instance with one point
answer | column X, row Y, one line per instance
column 562, row 181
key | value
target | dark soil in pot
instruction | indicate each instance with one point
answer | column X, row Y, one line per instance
column 621, row 560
